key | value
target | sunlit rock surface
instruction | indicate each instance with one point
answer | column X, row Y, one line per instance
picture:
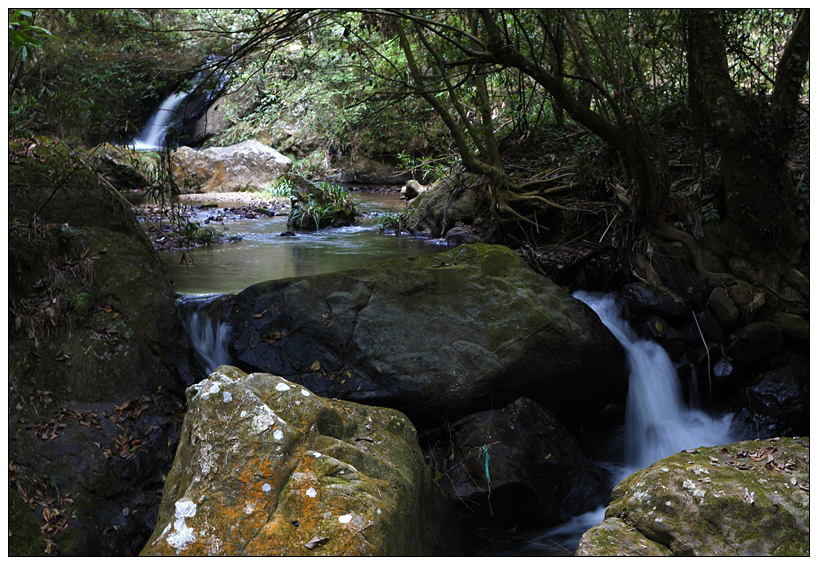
column 265, row 467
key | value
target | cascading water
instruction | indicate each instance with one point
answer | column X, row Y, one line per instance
column 657, row 423
column 208, row 336
column 155, row 131
column 207, row 85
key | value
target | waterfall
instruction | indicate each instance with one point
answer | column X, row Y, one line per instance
column 658, row 422
column 208, row 336
column 153, row 135
column 181, row 107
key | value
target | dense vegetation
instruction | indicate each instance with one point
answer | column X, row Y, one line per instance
column 679, row 118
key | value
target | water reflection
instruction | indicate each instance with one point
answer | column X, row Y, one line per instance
column 264, row 255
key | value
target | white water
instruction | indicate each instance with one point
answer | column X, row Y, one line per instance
column 152, row 136
column 207, row 334
column 658, row 423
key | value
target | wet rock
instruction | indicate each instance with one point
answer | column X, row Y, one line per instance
column 516, row 466
column 412, row 189
column 746, row 498
column 775, row 404
column 265, row 467
column 755, row 343
column 723, row 308
column 249, row 165
column 638, row 300
column 436, row 336
column 461, row 234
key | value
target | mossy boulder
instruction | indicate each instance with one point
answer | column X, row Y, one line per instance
column 746, row 498
column 443, row 204
column 438, row 336
column 98, row 361
column 265, row 467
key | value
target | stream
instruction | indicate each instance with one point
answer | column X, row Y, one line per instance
column 659, row 421
column 263, row 254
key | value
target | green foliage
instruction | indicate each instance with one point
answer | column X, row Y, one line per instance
column 24, row 36
column 281, row 188
column 82, row 303
column 391, row 221
column 327, row 206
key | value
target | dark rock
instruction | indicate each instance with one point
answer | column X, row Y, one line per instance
column 794, row 328
column 98, row 360
column 446, row 202
column 723, row 308
column 436, row 336
column 638, row 300
column 775, row 404
column 755, row 343
column 461, row 234
column 517, row 466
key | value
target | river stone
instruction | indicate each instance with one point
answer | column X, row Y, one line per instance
column 723, row 308
column 746, row 498
column 435, row 336
column 97, row 363
column 774, row 404
column 517, row 466
column 755, row 343
column 265, row 467
column 448, row 201
column 249, row 165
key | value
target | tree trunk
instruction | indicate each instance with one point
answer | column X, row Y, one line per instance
column 753, row 139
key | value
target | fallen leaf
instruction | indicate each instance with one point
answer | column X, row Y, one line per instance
column 315, row 542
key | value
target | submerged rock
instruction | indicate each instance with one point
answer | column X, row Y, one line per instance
column 746, row 498
column 436, row 336
column 265, row 467
column 516, row 467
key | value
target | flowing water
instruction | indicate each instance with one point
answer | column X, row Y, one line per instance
column 658, row 422
column 263, row 254
column 152, row 137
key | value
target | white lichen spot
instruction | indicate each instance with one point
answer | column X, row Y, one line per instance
column 693, row 488
column 264, row 419
column 305, row 392
column 665, row 469
column 311, row 492
column 214, row 388
column 668, row 503
column 227, row 396
column 345, row 518
column 281, row 387
column 314, row 454
column 378, row 511
column 658, row 519
column 243, row 414
column 183, row 534
column 699, row 471
column 278, row 434
column 641, row 495
column 298, row 403
column 266, row 487
column 249, row 508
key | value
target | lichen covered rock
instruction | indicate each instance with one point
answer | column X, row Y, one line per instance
column 746, row 498
column 265, row 467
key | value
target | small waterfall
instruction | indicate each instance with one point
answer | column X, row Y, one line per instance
column 658, row 423
column 152, row 137
column 208, row 336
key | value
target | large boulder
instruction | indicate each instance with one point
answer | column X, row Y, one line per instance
column 247, row 166
column 436, row 336
column 746, row 498
column 774, row 404
column 265, row 467
column 98, row 361
column 517, row 466
column 438, row 208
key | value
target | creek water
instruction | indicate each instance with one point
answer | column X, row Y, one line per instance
column 263, row 254
column 659, row 422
